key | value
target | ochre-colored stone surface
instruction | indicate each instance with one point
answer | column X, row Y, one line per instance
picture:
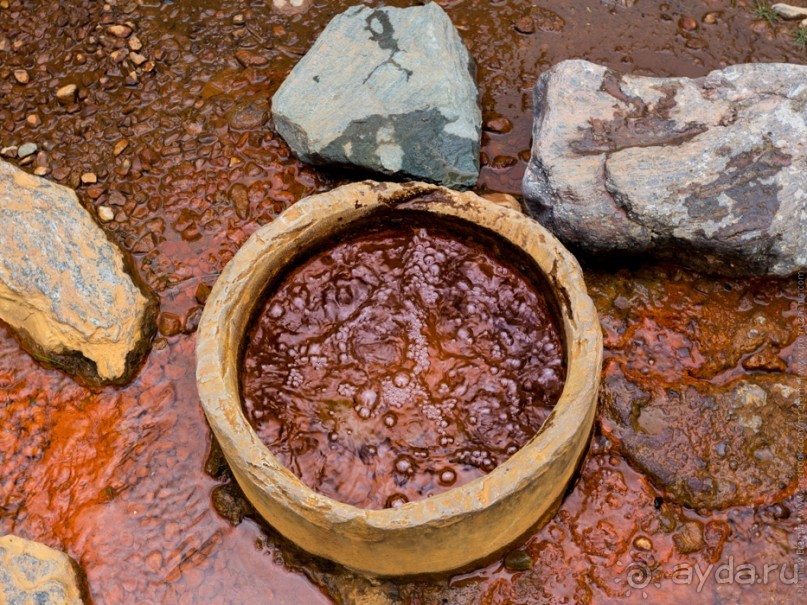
column 446, row 531
column 32, row 573
column 63, row 285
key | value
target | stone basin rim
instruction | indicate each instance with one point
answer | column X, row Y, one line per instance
column 444, row 532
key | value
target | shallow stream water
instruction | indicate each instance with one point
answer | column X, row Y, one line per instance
column 127, row 480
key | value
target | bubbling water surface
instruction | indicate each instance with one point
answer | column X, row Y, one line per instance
column 399, row 364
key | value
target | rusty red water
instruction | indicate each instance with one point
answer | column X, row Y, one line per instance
column 186, row 157
column 397, row 365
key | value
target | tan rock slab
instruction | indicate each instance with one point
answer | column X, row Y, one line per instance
column 65, row 289
column 34, row 573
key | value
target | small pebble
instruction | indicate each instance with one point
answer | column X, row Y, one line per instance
column 240, row 199
column 88, row 178
column 688, row 23
column 499, row 125
column 238, row 19
column 525, row 25
column 251, row 58
column 120, row 146
column 27, row 149
column 135, row 44
column 21, row 76
column 120, row 31
column 518, row 560
column 105, row 213
column 116, row 198
column 169, row 324
column 95, row 191
column 67, row 93
column 192, row 320
column 643, row 543
column 202, row 293
column 710, row 18
column 33, row 120
column 9, row 152
column 137, row 58
column 119, row 55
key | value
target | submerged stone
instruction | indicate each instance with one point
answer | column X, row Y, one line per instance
column 751, row 456
column 390, row 90
column 709, row 171
column 518, row 560
column 34, row 573
column 63, row 285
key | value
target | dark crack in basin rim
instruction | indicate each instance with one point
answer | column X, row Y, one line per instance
column 445, row 532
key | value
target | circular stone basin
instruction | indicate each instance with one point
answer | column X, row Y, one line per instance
column 447, row 531
column 400, row 362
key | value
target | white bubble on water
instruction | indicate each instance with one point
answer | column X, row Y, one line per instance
column 401, row 379
column 367, row 397
column 276, row 310
column 448, row 476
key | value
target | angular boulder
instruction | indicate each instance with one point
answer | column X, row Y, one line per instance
column 711, row 171
column 33, row 573
column 64, row 287
column 390, row 90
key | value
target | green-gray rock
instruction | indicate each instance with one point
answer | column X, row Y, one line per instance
column 390, row 90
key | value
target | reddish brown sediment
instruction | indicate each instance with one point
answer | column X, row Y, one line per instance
column 397, row 365
column 187, row 162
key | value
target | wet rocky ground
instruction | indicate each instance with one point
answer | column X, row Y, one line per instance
column 157, row 112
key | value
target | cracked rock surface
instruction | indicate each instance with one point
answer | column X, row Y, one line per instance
column 63, row 285
column 709, row 171
column 390, row 90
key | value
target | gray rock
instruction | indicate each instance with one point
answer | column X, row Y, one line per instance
column 34, row 573
column 787, row 11
column 27, row 149
column 711, row 171
column 64, row 287
column 390, row 90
